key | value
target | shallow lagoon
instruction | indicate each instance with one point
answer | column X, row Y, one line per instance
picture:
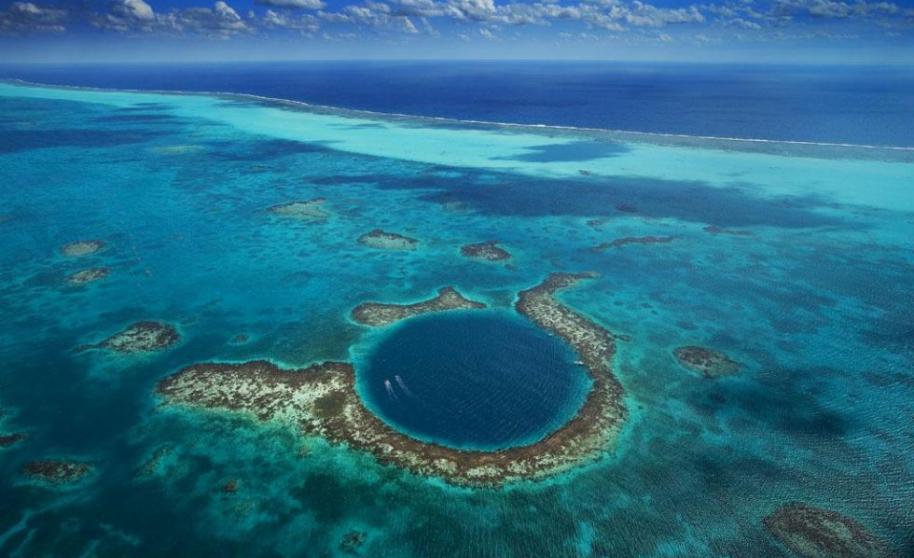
column 797, row 264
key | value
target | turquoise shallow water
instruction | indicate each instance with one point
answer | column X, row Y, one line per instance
column 796, row 262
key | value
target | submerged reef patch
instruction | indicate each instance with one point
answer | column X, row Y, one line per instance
column 380, row 314
column 88, row 275
column 7, row 440
column 714, row 229
column 812, row 532
column 352, row 542
column 321, row 400
column 388, row 240
column 140, row 337
column 710, row 363
column 154, row 465
column 82, row 248
column 57, row 471
column 489, row 251
column 620, row 242
column 308, row 210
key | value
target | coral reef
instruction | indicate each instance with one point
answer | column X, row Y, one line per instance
column 352, row 542
column 88, row 275
column 140, row 337
column 388, row 241
column 379, row 314
column 813, row 532
column 7, row 440
column 307, row 210
column 82, row 248
column 619, row 242
column 714, row 229
column 710, row 363
column 321, row 400
column 489, row 251
column 153, row 466
column 57, row 472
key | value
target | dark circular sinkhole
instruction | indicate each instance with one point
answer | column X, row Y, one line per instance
column 473, row 380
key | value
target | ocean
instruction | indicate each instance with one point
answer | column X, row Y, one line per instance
column 248, row 228
column 837, row 104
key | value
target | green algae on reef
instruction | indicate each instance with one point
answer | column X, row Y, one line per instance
column 321, row 400
column 380, row 314
column 812, row 532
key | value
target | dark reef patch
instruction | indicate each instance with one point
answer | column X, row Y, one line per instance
column 145, row 106
column 388, row 240
column 785, row 400
column 580, row 151
column 145, row 336
column 90, row 275
column 489, row 251
column 619, row 242
column 229, row 487
column 812, row 532
column 57, row 472
column 714, row 229
column 7, row 440
column 154, row 464
column 82, row 248
column 691, row 201
column 710, row 363
column 16, row 141
column 262, row 150
column 304, row 210
column 137, row 117
column 352, row 542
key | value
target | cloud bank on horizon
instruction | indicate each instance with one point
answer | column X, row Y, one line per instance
column 451, row 28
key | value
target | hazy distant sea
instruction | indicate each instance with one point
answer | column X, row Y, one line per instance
column 860, row 105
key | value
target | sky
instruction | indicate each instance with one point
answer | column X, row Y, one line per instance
column 766, row 31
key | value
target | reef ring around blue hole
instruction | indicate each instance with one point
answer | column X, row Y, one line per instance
column 473, row 380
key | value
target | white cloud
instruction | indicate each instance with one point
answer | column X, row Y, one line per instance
column 137, row 16
column 220, row 20
column 26, row 17
column 378, row 16
column 835, row 8
column 298, row 4
column 127, row 15
column 408, row 25
column 307, row 22
column 647, row 15
column 640, row 18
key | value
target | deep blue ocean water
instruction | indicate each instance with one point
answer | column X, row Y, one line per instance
column 798, row 266
column 474, row 380
column 859, row 105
